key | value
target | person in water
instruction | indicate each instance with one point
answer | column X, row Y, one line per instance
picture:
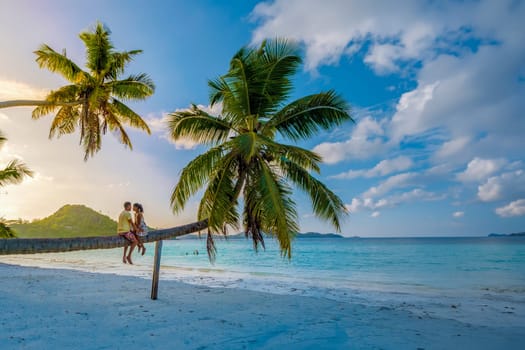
column 126, row 228
column 140, row 225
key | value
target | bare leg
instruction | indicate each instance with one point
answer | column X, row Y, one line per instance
column 140, row 244
column 133, row 245
column 124, row 256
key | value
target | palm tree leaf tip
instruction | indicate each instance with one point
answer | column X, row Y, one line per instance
column 14, row 173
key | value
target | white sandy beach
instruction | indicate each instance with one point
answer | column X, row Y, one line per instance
column 57, row 309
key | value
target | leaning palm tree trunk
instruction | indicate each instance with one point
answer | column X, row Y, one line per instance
column 56, row 245
column 34, row 103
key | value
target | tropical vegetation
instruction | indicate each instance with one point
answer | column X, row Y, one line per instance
column 68, row 221
column 248, row 165
column 94, row 100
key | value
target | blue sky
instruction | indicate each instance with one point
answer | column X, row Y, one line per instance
column 437, row 91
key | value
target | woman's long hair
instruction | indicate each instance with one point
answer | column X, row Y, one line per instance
column 139, row 207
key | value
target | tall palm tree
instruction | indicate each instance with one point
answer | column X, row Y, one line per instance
column 94, row 99
column 247, row 159
column 15, row 171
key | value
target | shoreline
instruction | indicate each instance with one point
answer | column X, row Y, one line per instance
column 480, row 307
column 57, row 308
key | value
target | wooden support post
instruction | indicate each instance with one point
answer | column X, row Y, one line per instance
column 156, row 269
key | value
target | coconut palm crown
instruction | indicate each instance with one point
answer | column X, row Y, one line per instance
column 248, row 171
column 94, row 98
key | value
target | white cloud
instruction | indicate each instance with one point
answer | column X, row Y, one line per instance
column 393, row 182
column 11, row 90
column 506, row 186
column 515, row 208
column 479, row 169
column 410, row 117
column 456, row 95
column 384, row 167
column 382, row 57
column 452, row 147
column 375, row 214
column 354, row 206
column 458, row 214
column 396, row 31
column 364, row 203
column 472, row 95
column 366, row 141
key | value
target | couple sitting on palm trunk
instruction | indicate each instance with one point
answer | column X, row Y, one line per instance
column 132, row 230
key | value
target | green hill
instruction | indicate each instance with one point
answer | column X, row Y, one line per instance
column 68, row 221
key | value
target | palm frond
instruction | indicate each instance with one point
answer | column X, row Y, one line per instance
column 304, row 117
column 118, row 63
column 198, row 126
column 134, row 87
column 252, row 213
column 65, row 95
column 282, row 152
column 218, row 203
column 247, row 145
column 129, row 116
column 91, row 138
column 326, row 204
column 219, row 90
column 194, row 176
column 237, row 89
column 113, row 122
column 98, row 50
column 210, row 247
column 279, row 60
column 59, row 63
column 14, row 173
column 64, row 121
column 239, row 76
column 278, row 209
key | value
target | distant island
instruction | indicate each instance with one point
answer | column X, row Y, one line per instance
column 318, row 235
column 517, row 234
column 299, row 236
column 68, row 221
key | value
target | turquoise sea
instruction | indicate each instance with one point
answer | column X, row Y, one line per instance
column 480, row 279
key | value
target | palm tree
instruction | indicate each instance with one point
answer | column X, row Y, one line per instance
column 94, row 98
column 246, row 158
column 15, row 171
